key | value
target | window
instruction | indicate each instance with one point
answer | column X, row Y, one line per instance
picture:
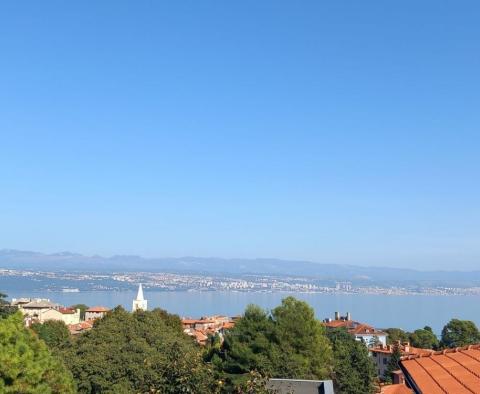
column 384, row 361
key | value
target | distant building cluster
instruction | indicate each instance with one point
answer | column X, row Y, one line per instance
column 205, row 327
column 360, row 331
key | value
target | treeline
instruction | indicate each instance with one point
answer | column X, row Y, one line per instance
column 147, row 352
column 456, row 333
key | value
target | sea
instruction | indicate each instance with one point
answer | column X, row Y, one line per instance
column 408, row 312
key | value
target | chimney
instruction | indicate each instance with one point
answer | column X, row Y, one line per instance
column 337, row 315
column 349, row 316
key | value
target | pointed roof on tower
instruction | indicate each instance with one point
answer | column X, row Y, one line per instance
column 140, row 293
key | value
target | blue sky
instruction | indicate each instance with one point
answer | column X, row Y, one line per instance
column 340, row 132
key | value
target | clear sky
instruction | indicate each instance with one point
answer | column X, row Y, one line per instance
column 339, row 132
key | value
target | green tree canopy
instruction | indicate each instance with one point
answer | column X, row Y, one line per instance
column 26, row 365
column 354, row 371
column 460, row 333
column 5, row 308
column 138, row 353
column 288, row 343
column 305, row 349
column 393, row 364
column 424, row 338
column 54, row 332
column 82, row 308
column 395, row 335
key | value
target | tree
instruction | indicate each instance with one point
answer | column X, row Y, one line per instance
column 26, row 365
column 5, row 308
column 250, row 345
column 54, row 332
column 395, row 335
column 305, row 349
column 137, row 353
column 255, row 384
column 289, row 343
column 353, row 371
column 459, row 333
column 82, row 308
column 393, row 364
column 424, row 338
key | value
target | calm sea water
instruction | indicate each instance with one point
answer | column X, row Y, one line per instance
column 407, row 312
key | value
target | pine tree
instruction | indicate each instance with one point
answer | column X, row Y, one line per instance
column 26, row 365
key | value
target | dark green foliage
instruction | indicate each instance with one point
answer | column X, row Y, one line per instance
column 354, row 371
column 305, row 349
column 251, row 345
column 254, row 384
column 288, row 343
column 395, row 335
column 26, row 365
column 55, row 333
column 138, row 353
column 5, row 308
column 393, row 364
column 424, row 338
column 82, row 308
column 460, row 333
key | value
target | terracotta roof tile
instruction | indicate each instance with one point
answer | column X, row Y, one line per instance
column 396, row 389
column 97, row 309
column 452, row 371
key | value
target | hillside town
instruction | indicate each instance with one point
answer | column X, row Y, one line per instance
column 420, row 370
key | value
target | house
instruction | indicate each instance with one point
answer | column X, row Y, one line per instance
column 300, row 386
column 201, row 328
column 81, row 327
column 381, row 354
column 34, row 309
column 360, row 331
column 67, row 315
column 96, row 312
column 449, row 371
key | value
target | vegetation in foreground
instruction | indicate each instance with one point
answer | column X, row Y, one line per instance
column 147, row 352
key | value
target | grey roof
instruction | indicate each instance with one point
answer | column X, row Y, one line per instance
column 299, row 386
column 39, row 304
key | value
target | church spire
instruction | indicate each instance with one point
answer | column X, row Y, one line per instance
column 139, row 303
column 140, row 293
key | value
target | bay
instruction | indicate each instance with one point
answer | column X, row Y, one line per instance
column 406, row 312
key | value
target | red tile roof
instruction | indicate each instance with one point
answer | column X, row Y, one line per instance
column 396, row 389
column 67, row 311
column 97, row 309
column 80, row 327
column 405, row 349
column 455, row 371
column 354, row 327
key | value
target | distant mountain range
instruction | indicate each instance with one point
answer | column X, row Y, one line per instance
column 65, row 261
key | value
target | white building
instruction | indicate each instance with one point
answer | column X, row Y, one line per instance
column 95, row 312
column 139, row 303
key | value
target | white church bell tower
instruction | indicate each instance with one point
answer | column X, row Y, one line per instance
column 139, row 303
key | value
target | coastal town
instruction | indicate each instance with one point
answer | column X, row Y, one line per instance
column 421, row 370
column 166, row 281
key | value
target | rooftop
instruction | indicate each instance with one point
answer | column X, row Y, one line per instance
column 450, row 371
column 405, row 348
column 67, row 311
column 353, row 327
column 395, row 389
column 97, row 309
column 39, row 304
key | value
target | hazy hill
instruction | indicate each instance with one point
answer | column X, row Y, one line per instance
column 66, row 261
